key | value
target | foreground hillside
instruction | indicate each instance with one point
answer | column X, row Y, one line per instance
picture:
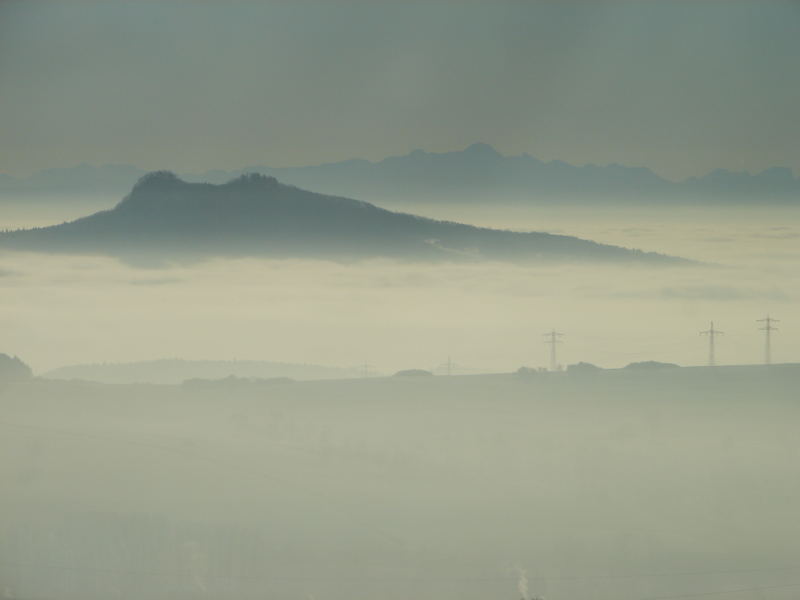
column 166, row 218
column 609, row 484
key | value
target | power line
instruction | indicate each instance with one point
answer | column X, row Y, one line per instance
column 449, row 367
column 767, row 329
column 711, row 333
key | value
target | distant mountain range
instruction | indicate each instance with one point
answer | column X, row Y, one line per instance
column 166, row 218
column 478, row 173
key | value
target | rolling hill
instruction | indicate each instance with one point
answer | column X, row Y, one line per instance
column 172, row 371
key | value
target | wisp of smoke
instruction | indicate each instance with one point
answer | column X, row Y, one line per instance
column 522, row 583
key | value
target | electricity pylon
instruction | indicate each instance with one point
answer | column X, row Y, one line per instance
column 366, row 370
column 448, row 367
column 767, row 328
column 552, row 339
column 711, row 333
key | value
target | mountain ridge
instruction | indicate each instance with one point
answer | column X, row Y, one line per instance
column 475, row 173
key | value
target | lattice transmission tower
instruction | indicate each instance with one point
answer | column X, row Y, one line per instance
column 768, row 329
column 712, row 334
column 552, row 339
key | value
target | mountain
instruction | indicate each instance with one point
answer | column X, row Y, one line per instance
column 476, row 174
column 481, row 174
column 165, row 217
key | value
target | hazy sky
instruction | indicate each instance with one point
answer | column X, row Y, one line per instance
column 681, row 87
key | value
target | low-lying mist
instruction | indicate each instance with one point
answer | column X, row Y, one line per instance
column 60, row 310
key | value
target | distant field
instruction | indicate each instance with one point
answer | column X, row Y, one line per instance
column 610, row 484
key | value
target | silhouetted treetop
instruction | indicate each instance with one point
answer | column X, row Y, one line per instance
column 651, row 364
column 413, row 373
column 157, row 179
column 11, row 367
column 253, row 179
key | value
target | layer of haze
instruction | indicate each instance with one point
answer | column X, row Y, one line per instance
column 681, row 87
column 59, row 310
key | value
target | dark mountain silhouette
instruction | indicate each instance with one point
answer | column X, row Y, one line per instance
column 480, row 173
column 166, row 218
column 477, row 174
